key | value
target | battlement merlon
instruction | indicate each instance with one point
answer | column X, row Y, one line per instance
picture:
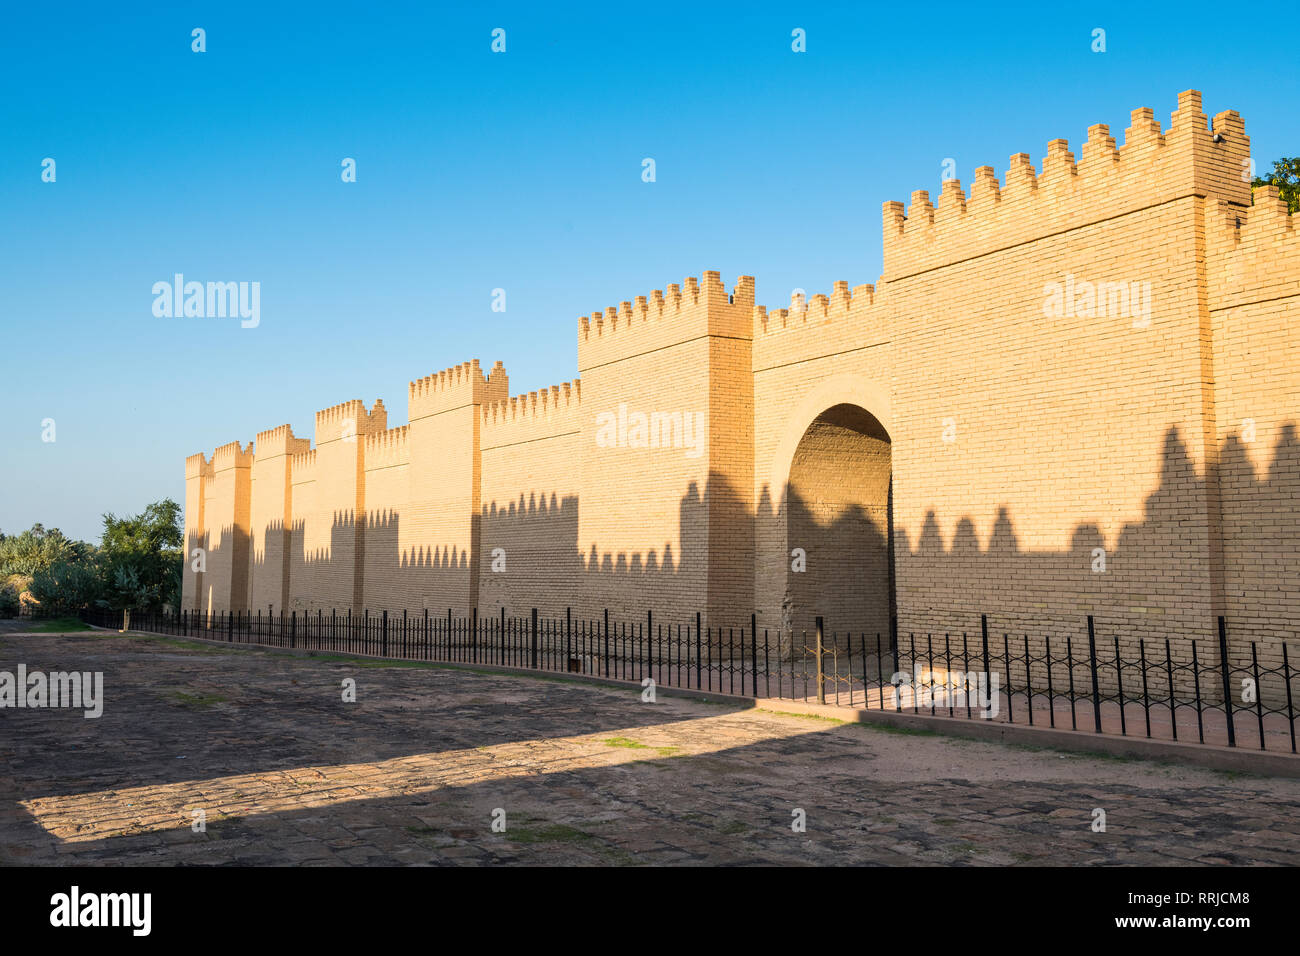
column 804, row 312
column 388, row 448
column 532, row 405
column 682, row 313
column 1191, row 158
column 279, row 441
column 197, row 466
column 456, row 387
column 303, row 466
column 350, row 419
column 842, row 321
column 1254, row 251
column 547, row 413
column 232, row 455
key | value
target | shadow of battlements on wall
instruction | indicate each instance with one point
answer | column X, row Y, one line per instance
column 1171, row 572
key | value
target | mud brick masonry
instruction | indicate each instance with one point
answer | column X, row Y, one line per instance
column 1072, row 392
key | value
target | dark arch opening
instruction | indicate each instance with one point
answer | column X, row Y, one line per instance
column 839, row 511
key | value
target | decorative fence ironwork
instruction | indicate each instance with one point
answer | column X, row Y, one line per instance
column 1209, row 691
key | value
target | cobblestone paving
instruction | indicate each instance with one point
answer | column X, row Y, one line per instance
column 286, row 772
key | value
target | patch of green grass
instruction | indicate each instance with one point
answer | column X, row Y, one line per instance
column 367, row 661
column 59, row 625
column 788, row 713
column 627, row 742
column 732, row 827
column 184, row 645
column 904, row 731
column 721, row 703
column 551, row 833
column 179, row 643
column 195, row 701
column 946, row 822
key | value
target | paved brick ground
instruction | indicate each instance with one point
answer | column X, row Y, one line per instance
column 286, row 772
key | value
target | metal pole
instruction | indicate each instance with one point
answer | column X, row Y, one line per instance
column 1092, row 658
column 1227, row 681
column 821, row 674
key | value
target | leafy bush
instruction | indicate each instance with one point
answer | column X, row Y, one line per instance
column 141, row 558
column 37, row 550
column 137, row 567
column 66, row 587
column 8, row 602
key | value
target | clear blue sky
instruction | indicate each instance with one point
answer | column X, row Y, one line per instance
column 477, row 171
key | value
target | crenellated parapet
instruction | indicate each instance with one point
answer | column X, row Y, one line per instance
column 1253, row 252
column 820, row 324
column 197, row 466
column 542, row 414
column 456, row 387
column 279, row 441
column 389, row 448
column 682, row 313
column 232, row 455
column 303, row 465
column 1153, row 166
column 350, row 420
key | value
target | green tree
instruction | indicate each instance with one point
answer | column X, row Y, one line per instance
column 66, row 587
column 1286, row 177
column 141, row 559
column 38, row 549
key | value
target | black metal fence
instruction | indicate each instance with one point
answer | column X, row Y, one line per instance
column 1210, row 691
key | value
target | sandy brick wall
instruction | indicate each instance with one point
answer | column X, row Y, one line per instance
column 1073, row 391
column 814, row 356
column 391, row 562
column 529, row 509
column 441, row 523
column 652, row 494
column 328, row 541
column 271, row 517
column 226, row 504
column 1253, row 265
column 197, row 472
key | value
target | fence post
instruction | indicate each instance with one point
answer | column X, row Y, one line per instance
column 821, row 674
column 1092, row 661
column 384, row 634
column 230, row 634
column 893, row 642
column 984, row 636
column 698, row 655
column 293, row 629
column 753, row 648
column 606, row 642
column 1227, row 681
column 568, row 636
column 534, row 664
